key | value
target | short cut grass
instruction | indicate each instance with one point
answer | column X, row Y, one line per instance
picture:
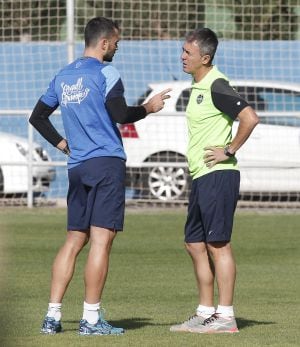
column 151, row 284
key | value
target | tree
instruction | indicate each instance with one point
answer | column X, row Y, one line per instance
column 264, row 20
column 156, row 19
column 31, row 20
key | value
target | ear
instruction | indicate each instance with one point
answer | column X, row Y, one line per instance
column 205, row 59
column 103, row 44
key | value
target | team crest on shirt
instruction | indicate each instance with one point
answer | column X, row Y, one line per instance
column 199, row 99
column 74, row 93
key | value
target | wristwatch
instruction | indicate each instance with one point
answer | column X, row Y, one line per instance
column 227, row 153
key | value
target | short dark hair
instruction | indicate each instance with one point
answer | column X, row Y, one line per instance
column 206, row 39
column 97, row 28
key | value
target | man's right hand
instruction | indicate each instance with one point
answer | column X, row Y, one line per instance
column 63, row 146
column 156, row 103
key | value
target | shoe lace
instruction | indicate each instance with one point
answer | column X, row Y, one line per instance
column 101, row 316
column 211, row 319
column 192, row 317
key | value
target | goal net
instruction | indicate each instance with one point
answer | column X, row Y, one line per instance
column 259, row 51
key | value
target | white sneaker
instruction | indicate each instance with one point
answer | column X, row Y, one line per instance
column 186, row 326
column 216, row 324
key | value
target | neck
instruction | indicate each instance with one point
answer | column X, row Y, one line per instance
column 92, row 54
column 201, row 73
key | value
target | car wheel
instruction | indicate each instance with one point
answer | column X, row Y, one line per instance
column 164, row 182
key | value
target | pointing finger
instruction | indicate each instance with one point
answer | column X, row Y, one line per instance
column 165, row 91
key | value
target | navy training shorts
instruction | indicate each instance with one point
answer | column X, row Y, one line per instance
column 212, row 203
column 96, row 194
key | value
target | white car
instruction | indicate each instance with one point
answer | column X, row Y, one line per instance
column 269, row 161
column 13, row 172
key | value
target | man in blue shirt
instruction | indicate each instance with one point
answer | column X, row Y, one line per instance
column 91, row 98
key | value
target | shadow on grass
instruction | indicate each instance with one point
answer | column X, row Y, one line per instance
column 245, row 323
column 127, row 324
column 138, row 323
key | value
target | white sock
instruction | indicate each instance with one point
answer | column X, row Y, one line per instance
column 205, row 311
column 54, row 311
column 225, row 311
column 91, row 312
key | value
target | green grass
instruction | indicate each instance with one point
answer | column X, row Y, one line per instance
column 151, row 282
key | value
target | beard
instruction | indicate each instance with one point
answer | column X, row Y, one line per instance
column 109, row 56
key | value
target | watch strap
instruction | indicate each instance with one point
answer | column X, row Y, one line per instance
column 227, row 153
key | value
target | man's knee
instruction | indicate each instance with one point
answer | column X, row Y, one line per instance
column 189, row 247
column 194, row 248
column 102, row 237
column 76, row 240
column 219, row 248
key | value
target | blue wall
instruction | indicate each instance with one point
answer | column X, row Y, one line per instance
column 26, row 68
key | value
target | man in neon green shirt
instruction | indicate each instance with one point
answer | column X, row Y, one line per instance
column 213, row 106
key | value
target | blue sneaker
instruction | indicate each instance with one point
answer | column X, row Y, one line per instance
column 102, row 327
column 51, row 326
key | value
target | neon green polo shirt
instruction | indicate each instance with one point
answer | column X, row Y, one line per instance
column 208, row 124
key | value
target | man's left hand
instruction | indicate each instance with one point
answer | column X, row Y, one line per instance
column 214, row 155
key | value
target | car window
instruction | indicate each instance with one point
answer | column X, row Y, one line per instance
column 183, row 100
column 270, row 99
column 281, row 100
column 252, row 96
column 143, row 97
column 261, row 99
column 282, row 120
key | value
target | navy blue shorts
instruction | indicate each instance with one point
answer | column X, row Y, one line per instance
column 211, row 207
column 96, row 194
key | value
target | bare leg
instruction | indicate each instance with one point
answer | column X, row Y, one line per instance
column 64, row 264
column 225, row 271
column 96, row 268
column 204, row 271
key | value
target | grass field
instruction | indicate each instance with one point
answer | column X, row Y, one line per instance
column 151, row 282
